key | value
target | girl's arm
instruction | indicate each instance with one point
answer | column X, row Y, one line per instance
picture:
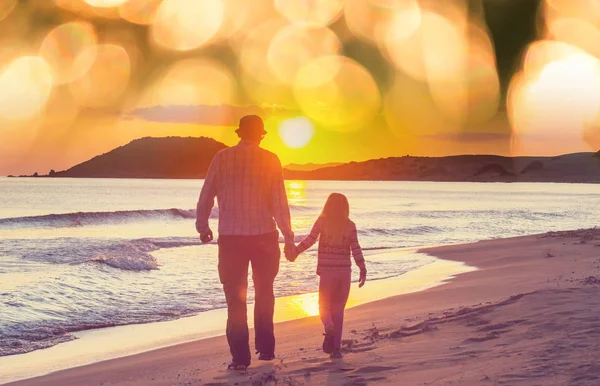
column 357, row 252
column 358, row 255
column 312, row 238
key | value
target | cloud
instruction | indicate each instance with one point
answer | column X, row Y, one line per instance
column 223, row 115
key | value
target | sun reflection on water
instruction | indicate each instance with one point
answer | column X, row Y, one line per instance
column 296, row 192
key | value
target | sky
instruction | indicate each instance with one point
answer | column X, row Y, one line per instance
column 334, row 80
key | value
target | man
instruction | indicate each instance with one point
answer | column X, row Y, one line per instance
column 248, row 184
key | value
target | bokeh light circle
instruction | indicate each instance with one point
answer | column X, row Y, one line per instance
column 418, row 53
column 197, row 82
column 468, row 91
column 295, row 46
column 108, row 78
column 106, row 3
column 26, row 84
column 374, row 20
column 63, row 48
column 254, row 51
column 337, row 92
column 139, row 11
column 310, row 12
column 405, row 21
column 556, row 95
column 576, row 32
column 6, row 7
column 184, row 25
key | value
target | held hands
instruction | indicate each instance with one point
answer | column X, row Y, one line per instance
column 206, row 236
column 291, row 252
column 363, row 277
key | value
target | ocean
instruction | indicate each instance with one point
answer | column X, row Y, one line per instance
column 80, row 254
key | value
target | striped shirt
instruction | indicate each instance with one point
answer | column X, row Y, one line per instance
column 248, row 184
column 335, row 257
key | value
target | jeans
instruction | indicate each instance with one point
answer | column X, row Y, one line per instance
column 334, row 288
column 235, row 254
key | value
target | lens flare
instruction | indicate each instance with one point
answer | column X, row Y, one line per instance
column 26, row 84
column 63, row 48
column 306, row 304
column 337, row 92
column 296, row 132
column 295, row 46
column 184, row 25
column 106, row 81
column 310, row 12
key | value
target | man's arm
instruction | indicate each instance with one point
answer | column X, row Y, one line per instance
column 206, row 201
column 281, row 208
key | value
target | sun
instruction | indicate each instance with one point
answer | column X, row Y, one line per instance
column 296, row 132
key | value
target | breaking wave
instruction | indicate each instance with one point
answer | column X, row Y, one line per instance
column 78, row 219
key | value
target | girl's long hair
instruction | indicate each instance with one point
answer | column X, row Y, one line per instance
column 335, row 219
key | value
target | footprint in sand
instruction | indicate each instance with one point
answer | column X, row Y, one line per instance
column 358, row 380
column 480, row 339
column 313, row 369
column 358, row 350
column 374, row 369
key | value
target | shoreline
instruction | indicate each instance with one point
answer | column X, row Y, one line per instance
column 527, row 315
column 97, row 345
column 515, row 180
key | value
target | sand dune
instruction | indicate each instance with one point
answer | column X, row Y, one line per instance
column 528, row 316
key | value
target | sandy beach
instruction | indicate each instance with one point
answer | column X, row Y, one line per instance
column 528, row 315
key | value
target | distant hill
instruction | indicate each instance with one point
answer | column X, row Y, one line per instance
column 310, row 166
column 578, row 167
column 176, row 157
column 170, row 157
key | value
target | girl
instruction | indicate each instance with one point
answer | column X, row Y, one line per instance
column 337, row 240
